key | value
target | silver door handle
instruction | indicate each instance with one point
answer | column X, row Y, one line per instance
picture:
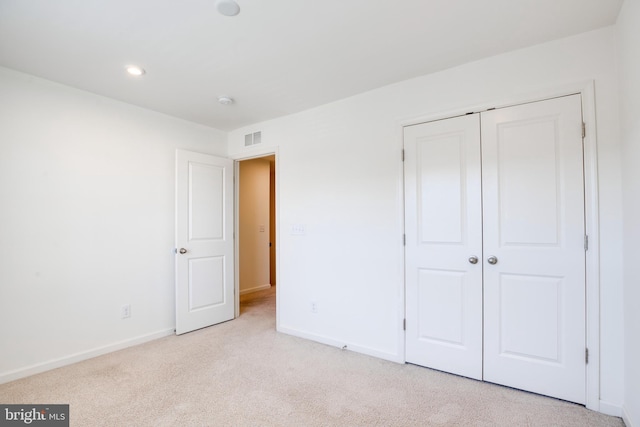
column 492, row 260
column 473, row 259
column 182, row 251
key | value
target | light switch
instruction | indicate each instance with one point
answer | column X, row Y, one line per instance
column 261, row 228
column 298, row 230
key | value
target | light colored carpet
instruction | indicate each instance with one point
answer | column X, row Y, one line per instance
column 244, row 373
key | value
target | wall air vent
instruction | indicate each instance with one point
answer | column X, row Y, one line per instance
column 257, row 138
column 252, row 138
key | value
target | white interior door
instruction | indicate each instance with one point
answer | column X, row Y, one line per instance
column 444, row 245
column 511, row 194
column 204, row 241
column 533, row 196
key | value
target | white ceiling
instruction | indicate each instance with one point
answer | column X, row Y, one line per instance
column 277, row 56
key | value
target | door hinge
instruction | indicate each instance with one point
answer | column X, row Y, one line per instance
column 404, row 240
column 586, row 242
column 586, row 355
column 584, row 130
column 404, row 324
column 402, row 155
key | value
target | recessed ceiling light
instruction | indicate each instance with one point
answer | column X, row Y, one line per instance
column 225, row 100
column 228, row 7
column 134, row 70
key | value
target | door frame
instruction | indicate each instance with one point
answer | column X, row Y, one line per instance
column 592, row 256
column 255, row 153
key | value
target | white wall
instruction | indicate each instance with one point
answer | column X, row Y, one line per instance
column 628, row 38
column 254, row 224
column 86, row 224
column 340, row 176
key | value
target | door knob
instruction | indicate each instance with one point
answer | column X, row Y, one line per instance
column 182, row 251
column 492, row 260
column 473, row 259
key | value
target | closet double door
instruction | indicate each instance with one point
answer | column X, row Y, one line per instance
column 495, row 247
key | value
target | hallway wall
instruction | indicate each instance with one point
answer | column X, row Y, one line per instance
column 254, row 224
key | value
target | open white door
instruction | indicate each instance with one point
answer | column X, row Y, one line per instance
column 204, row 241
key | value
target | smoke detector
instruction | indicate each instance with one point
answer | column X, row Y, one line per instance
column 225, row 100
column 228, row 7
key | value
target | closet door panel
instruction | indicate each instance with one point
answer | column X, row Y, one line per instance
column 533, row 209
column 443, row 230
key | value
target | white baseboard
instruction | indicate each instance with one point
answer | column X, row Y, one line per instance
column 608, row 408
column 343, row 345
column 6, row 377
column 255, row 289
column 626, row 419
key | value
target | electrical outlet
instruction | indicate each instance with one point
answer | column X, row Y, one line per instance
column 125, row 311
column 314, row 307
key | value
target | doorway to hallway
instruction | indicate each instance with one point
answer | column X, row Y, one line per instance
column 256, row 238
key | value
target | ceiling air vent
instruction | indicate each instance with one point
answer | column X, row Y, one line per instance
column 252, row 138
